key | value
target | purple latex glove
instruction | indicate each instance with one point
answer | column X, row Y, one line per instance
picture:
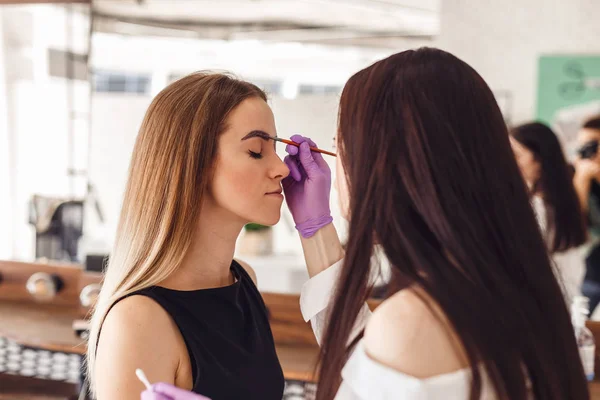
column 164, row 391
column 307, row 188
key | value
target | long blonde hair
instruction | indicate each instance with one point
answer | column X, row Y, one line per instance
column 170, row 170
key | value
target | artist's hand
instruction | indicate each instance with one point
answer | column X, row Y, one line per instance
column 164, row 391
column 308, row 187
column 586, row 169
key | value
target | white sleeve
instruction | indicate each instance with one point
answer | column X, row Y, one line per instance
column 315, row 302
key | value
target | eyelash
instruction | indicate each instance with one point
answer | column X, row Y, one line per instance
column 254, row 155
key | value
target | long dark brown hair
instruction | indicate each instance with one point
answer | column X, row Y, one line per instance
column 565, row 226
column 433, row 180
column 592, row 123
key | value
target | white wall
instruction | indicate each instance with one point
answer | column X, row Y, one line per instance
column 503, row 40
column 34, row 126
column 41, row 159
column 115, row 123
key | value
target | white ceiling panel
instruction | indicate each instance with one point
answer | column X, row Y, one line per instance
column 345, row 22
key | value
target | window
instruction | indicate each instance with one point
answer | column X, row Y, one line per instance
column 121, row 82
column 320, row 89
column 174, row 77
column 270, row 87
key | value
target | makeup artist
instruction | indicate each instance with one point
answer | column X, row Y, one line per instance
column 426, row 171
column 587, row 175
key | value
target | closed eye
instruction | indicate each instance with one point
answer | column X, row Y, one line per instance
column 254, row 155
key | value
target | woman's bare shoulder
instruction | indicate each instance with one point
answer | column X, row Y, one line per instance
column 410, row 334
column 137, row 333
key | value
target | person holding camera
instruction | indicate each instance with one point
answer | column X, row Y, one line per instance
column 586, row 182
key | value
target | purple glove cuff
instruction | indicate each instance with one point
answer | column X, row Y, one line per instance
column 309, row 228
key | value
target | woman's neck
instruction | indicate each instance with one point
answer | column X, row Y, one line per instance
column 208, row 260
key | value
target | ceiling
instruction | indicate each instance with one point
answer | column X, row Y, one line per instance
column 373, row 23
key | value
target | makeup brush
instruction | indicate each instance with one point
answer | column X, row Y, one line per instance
column 315, row 149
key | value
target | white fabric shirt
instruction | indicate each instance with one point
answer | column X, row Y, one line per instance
column 364, row 378
column 569, row 266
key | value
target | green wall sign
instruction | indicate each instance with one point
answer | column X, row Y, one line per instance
column 566, row 81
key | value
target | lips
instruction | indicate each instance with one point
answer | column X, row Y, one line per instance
column 278, row 191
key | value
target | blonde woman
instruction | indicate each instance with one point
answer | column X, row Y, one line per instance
column 174, row 302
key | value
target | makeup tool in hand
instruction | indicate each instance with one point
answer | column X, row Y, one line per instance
column 142, row 377
column 315, row 149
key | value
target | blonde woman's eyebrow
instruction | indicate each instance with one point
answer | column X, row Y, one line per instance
column 260, row 134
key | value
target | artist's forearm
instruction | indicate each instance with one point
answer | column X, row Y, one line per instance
column 322, row 250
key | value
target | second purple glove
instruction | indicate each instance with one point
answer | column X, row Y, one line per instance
column 165, row 391
column 307, row 188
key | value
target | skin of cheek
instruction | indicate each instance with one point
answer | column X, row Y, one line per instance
column 239, row 186
column 240, row 182
column 529, row 167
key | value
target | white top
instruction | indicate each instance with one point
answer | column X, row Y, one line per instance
column 569, row 266
column 365, row 378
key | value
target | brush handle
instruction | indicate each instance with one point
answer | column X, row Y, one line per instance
column 315, row 149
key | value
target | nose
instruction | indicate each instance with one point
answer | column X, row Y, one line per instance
column 279, row 169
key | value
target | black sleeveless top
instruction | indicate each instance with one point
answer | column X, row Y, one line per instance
column 228, row 338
